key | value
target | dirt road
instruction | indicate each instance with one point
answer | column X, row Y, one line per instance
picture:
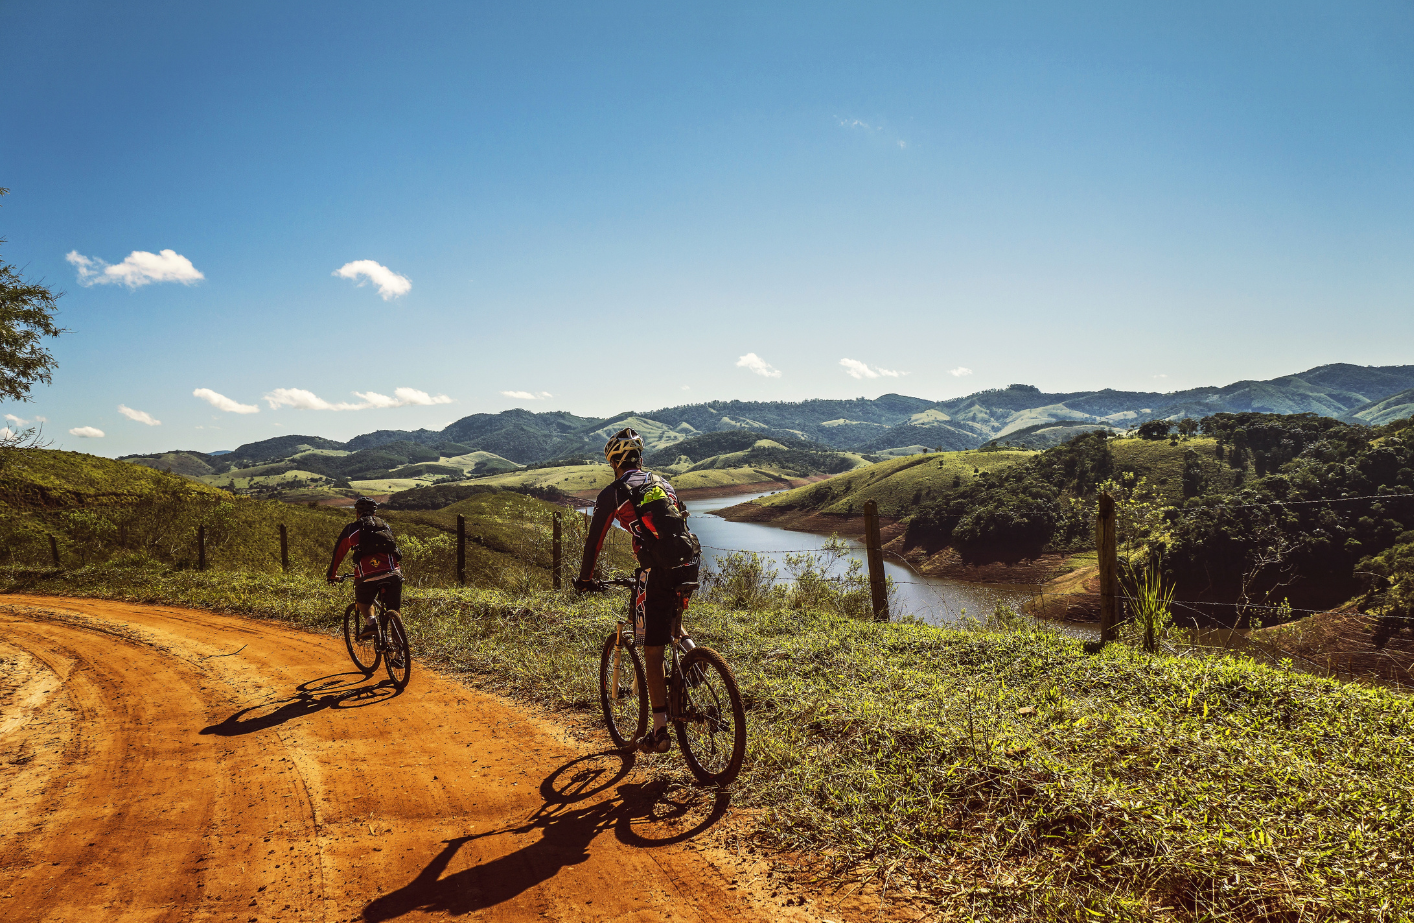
column 169, row 764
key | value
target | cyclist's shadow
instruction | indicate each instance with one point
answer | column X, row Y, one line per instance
column 338, row 690
column 566, row 835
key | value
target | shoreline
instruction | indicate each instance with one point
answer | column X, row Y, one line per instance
column 946, row 563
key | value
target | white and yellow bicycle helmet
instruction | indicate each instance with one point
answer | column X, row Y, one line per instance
column 621, row 445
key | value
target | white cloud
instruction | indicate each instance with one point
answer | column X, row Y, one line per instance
column 86, row 432
column 758, row 365
column 1161, row 375
column 222, row 402
column 138, row 415
column 139, row 269
column 528, row 395
column 300, row 399
column 390, row 284
column 402, row 397
column 861, row 125
column 687, row 387
column 959, row 372
column 39, row 419
column 856, row 369
column 18, row 421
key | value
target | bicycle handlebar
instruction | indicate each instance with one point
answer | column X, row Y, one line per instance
column 601, row 586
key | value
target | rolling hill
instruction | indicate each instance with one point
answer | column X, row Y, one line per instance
column 832, row 432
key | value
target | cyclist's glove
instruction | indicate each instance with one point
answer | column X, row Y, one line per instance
column 585, row 586
column 331, row 578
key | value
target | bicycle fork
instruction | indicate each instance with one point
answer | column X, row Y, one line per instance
column 618, row 653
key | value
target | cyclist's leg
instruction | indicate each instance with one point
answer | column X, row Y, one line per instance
column 659, row 609
column 364, row 594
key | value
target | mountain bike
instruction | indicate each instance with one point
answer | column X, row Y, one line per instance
column 704, row 703
column 388, row 645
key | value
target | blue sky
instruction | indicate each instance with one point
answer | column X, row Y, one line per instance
column 613, row 204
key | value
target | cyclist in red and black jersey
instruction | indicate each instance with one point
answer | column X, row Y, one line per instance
column 375, row 561
column 660, row 587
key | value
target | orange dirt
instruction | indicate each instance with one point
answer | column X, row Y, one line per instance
column 168, row 764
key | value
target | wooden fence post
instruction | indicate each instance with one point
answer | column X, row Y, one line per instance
column 874, row 549
column 1109, row 568
column 201, row 547
column 555, row 553
column 54, row 550
column 284, row 548
column 461, row 550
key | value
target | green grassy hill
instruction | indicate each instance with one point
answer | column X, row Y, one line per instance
column 897, row 486
column 1376, row 413
column 100, row 509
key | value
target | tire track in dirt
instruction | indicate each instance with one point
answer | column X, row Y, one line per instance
column 144, row 777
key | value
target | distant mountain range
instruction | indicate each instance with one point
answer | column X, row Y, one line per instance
column 891, row 423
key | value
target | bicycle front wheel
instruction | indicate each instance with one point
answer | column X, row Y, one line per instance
column 711, row 726
column 364, row 654
column 623, row 692
column 397, row 657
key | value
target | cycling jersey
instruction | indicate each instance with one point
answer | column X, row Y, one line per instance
column 615, row 502
column 369, row 563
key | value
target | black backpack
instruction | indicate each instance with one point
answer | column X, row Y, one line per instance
column 674, row 545
column 376, row 537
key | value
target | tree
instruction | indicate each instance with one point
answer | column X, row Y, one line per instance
column 26, row 317
column 1187, row 426
column 1155, row 429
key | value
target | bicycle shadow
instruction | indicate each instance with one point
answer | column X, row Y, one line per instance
column 566, row 834
column 337, row 690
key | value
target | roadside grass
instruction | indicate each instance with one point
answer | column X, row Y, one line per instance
column 1002, row 771
column 897, row 485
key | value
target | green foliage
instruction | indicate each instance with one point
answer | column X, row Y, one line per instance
column 1022, row 508
column 1155, row 429
column 1007, row 772
column 1390, row 596
column 1272, row 533
column 1149, row 598
column 27, row 312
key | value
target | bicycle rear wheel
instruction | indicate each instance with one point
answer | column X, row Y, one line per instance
column 623, row 692
column 711, row 726
column 364, row 654
column 397, row 657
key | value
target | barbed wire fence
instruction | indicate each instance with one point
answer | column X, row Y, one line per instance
column 522, row 559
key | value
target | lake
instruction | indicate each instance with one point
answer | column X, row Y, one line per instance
column 936, row 600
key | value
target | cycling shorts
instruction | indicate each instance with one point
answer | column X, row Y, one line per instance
column 660, row 596
column 389, row 589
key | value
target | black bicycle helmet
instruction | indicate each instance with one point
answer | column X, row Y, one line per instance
column 365, row 506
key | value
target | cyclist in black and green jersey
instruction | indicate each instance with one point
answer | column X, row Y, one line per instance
column 668, row 554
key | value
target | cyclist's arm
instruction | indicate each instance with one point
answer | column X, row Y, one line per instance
column 347, row 539
column 599, row 526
